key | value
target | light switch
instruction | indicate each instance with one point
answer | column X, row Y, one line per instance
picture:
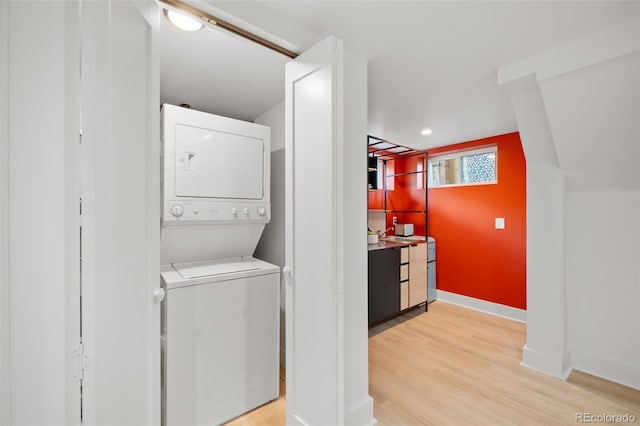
column 499, row 222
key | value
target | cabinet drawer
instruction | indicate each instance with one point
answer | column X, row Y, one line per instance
column 404, row 295
column 404, row 255
column 404, row 272
column 417, row 291
column 418, row 274
column 418, row 253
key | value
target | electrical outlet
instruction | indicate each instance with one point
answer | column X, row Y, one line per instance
column 395, row 220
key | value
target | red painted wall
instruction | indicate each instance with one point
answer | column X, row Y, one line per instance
column 473, row 258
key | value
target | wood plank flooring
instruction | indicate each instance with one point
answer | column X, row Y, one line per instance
column 272, row 414
column 454, row 366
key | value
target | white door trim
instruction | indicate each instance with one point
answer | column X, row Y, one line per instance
column 5, row 313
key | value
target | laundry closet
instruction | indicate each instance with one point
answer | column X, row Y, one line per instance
column 221, row 308
column 84, row 326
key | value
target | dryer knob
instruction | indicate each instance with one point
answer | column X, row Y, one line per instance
column 177, row 210
column 262, row 211
column 234, row 211
column 246, row 211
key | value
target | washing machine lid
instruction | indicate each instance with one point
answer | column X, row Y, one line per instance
column 207, row 269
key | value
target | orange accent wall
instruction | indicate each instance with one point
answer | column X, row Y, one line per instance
column 473, row 258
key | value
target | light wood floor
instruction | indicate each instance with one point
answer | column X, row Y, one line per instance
column 454, row 366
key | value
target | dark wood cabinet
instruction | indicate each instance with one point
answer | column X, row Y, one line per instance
column 384, row 284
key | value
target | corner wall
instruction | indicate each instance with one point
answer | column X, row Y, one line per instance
column 584, row 97
column 271, row 245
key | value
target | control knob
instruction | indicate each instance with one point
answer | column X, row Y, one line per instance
column 262, row 211
column 177, row 210
column 246, row 211
column 234, row 211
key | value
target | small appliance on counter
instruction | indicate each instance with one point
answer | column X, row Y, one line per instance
column 404, row 229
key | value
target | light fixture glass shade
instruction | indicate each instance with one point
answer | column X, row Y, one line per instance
column 182, row 21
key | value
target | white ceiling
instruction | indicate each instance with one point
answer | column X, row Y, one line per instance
column 218, row 73
column 431, row 64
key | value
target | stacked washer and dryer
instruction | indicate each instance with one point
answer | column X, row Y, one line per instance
column 221, row 310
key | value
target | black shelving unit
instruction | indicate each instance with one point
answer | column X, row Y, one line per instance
column 380, row 149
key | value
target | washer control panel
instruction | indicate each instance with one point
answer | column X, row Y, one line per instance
column 179, row 212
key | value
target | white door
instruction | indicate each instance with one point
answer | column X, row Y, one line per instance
column 120, row 190
column 314, row 326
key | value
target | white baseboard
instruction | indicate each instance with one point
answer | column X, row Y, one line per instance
column 491, row 308
column 361, row 414
column 624, row 374
column 556, row 366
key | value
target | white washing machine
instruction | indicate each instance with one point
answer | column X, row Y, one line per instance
column 220, row 323
column 220, row 316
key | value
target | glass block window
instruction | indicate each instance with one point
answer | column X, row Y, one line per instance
column 472, row 167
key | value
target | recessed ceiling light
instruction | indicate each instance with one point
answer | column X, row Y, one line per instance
column 426, row 132
column 182, row 21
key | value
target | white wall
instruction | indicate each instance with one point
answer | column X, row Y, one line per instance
column 602, row 231
column 589, row 106
column 5, row 366
column 271, row 245
column 36, row 237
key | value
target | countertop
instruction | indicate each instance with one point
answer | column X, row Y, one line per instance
column 392, row 241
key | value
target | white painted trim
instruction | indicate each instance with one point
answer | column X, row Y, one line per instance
column 152, row 13
column 72, row 105
column 594, row 49
column 5, row 313
column 361, row 414
column 552, row 365
column 491, row 308
column 624, row 374
column 463, row 152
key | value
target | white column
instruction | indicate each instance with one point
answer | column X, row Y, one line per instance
column 546, row 347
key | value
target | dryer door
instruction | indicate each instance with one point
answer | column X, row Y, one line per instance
column 216, row 164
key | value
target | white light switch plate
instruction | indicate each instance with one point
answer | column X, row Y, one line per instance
column 499, row 222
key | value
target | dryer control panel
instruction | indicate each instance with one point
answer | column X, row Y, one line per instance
column 183, row 212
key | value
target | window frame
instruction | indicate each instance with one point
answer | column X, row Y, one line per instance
column 450, row 155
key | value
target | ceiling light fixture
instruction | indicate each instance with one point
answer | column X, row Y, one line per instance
column 426, row 132
column 183, row 22
column 202, row 16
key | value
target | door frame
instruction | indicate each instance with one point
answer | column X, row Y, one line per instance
column 323, row 58
column 150, row 11
column 5, row 313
